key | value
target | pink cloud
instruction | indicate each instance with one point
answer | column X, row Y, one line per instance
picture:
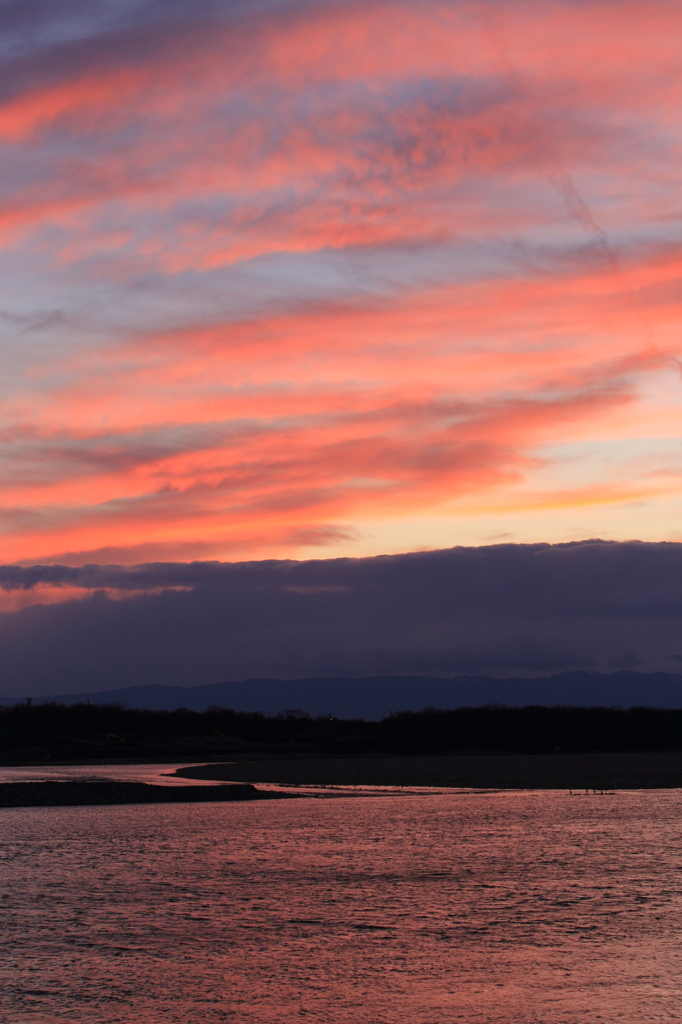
column 525, row 155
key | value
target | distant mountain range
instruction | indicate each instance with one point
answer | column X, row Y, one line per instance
column 375, row 697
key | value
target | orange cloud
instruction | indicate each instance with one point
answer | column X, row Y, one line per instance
column 333, row 265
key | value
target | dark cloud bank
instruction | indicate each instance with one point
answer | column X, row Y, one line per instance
column 502, row 611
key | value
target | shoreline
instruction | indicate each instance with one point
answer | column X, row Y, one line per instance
column 608, row 771
column 240, row 778
column 109, row 791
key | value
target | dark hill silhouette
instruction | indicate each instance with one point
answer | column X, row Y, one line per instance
column 374, row 697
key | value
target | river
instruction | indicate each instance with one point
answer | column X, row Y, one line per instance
column 494, row 908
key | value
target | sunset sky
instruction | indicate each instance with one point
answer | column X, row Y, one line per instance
column 300, row 280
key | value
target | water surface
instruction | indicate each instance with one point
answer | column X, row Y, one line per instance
column 503, row 907
column 154, row 774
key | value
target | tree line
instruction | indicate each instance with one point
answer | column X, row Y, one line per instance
column 487, row 729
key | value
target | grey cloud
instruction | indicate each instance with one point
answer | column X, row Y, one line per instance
column 505, row 609
column 601, row 577
column 43, row 40
column 26, row 454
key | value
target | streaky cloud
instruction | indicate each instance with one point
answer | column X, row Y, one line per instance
column 281, row 271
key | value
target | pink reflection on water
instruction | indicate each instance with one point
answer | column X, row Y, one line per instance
column 153, row 774
column 494, row 908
